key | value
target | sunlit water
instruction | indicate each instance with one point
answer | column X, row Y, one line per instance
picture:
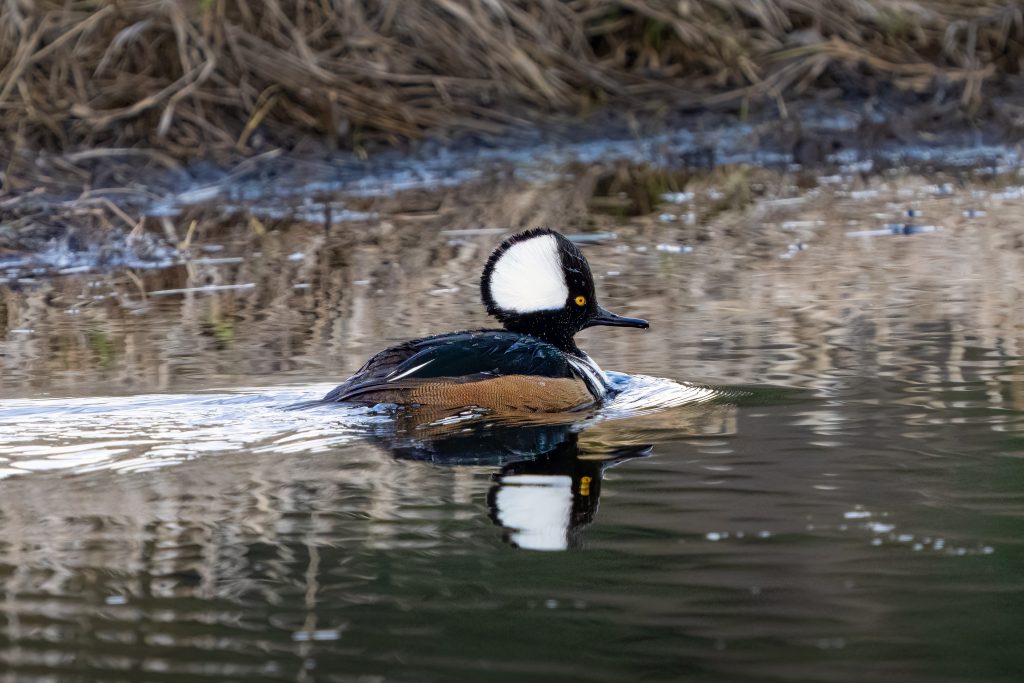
column 813, row 472
column 137, row 433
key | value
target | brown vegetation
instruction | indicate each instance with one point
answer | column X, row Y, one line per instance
column 194, row 78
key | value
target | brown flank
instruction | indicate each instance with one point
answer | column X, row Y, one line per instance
column 519, row 393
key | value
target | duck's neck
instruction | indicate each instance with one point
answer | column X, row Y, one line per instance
column 552, row 329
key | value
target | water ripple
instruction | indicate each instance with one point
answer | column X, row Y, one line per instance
column 146, row 432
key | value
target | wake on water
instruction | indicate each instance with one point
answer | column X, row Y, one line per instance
column 144, row 432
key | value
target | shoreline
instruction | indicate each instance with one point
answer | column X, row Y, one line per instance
column 139, row 206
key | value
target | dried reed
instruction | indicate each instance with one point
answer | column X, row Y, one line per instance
column 195, row 78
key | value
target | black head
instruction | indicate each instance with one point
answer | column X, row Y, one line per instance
column 538, row 282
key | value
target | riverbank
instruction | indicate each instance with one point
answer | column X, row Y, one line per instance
column 224, row 78
column 103, row 208
column 126, row 124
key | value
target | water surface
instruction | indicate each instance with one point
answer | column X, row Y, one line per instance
column 814, row 471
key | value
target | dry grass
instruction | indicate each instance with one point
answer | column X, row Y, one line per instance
column 195, row 78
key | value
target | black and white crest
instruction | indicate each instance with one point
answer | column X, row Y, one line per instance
column 533, row 272
column 538, row 283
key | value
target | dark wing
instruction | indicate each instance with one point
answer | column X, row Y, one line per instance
column 464, row 355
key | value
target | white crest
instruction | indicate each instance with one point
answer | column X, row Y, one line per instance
column 528, row 277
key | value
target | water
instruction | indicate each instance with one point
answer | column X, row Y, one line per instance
column 813, row 473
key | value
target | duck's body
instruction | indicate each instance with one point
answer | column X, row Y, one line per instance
column 539, row 285
column 493, row 369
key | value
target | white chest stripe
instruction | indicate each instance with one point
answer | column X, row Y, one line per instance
column 591, row 373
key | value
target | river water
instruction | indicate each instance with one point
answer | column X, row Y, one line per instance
column 814, row 471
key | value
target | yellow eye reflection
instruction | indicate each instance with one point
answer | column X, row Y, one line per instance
column 581, row 300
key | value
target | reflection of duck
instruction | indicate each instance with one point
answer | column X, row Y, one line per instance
column 539, row 286
column 550, row 481
column 549, row 484
column 544, row 504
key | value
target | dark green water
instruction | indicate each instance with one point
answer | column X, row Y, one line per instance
column 164, row 517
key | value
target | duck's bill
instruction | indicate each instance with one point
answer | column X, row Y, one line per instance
column 606, row 317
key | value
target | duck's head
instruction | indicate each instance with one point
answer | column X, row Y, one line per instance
column 539, row 283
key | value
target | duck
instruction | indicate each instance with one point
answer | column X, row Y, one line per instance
column 539, row 286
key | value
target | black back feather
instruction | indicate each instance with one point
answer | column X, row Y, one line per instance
column 466, row 356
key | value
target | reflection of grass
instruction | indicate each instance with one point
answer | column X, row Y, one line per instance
column 730, row 311
column 103, row 350
column 192, row 78
column 635, row 189
column 224, row 333
column 735, row 190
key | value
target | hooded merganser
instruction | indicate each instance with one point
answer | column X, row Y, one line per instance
column 538, row 285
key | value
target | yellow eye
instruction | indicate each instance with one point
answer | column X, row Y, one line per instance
column 581, row 300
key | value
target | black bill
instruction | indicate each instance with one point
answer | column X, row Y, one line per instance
column 606, row 317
